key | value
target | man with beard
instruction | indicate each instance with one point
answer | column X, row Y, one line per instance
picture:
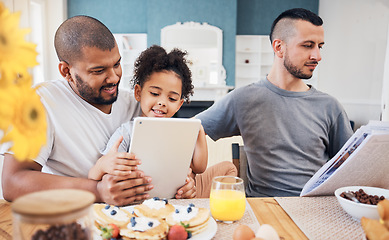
column 83, row 111
column 289, row 128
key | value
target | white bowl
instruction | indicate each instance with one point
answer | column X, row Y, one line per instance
column 359, row 210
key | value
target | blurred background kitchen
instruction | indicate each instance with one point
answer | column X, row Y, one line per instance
column 354, row 56
column 228, row 45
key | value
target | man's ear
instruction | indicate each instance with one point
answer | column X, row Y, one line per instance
column 137, row 91
column 64, row 70
column 278, row 48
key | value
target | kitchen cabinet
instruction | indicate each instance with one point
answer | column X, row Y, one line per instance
column 204, row 45
column 253, row 58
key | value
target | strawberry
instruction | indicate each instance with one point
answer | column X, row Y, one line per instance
column 177, row 232
column 110, row 231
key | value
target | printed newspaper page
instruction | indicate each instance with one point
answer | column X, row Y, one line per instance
column 361, row 161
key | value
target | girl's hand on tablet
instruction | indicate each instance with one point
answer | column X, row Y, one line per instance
column 114, row 163
column 189, row 189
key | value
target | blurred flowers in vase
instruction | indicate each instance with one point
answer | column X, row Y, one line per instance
column 22, row 115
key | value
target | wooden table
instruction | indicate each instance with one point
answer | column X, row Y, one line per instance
column 266, row 210
column 5, row 220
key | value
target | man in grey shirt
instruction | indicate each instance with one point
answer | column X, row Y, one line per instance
column 289, row 128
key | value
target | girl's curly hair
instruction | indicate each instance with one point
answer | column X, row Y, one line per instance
column 156, row 59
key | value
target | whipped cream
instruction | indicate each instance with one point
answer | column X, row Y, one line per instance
column 120, row 215
column 154, row 204
column 184, row 213
column 142, row 224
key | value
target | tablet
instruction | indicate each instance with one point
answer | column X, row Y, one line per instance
column 165, row 146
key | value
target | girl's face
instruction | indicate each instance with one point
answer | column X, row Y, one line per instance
column 160, row 95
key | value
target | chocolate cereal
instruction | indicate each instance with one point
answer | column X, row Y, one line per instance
column 364, row 197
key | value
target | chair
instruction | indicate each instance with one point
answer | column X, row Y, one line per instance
column 239, row 159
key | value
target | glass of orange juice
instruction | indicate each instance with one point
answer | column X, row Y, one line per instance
column 228, row 199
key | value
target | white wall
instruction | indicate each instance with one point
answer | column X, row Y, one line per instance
column 56, row 14
column 385, row 88
column 352, row 68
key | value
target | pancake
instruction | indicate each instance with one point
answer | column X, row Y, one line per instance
column 154, row 208
column 145, row 228
column 198, row 229
column 152, row 218
column 189, row 215
column 105, row 214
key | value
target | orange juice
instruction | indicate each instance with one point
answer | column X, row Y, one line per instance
column 227, row 205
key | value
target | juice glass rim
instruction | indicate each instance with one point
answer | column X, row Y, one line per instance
column 217, row 179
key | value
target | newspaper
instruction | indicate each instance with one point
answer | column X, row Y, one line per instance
column 362, row 161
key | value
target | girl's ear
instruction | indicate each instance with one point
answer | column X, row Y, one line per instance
column 181, row 102
column 137, row 91
column 64, row 70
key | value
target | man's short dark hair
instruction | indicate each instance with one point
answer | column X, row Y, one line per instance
column 78, row 32
column 296, row 14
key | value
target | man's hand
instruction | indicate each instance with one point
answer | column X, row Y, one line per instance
column 123, row 190
column 189, row 189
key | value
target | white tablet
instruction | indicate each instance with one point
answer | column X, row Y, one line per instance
column 165, row 146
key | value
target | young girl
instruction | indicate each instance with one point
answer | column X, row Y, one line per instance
column 162, row 82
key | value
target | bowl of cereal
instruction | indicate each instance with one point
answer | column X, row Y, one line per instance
column 364, row 203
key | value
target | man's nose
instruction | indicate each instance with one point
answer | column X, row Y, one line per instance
column 114, row 75
column 315, row 54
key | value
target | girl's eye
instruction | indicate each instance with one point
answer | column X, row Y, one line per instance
column 154, row 94
column 173, row 99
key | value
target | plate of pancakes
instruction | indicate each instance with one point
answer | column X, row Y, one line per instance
column 153, row 218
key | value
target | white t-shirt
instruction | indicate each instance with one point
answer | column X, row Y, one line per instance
column 77, row 131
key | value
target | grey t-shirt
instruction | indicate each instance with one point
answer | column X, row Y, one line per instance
column 124, row 130
column 287, row 135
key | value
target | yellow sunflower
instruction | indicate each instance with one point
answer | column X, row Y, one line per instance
column 2, row 8
column 22, row 111
column 16, row 54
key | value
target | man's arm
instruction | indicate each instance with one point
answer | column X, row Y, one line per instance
column 20, row 178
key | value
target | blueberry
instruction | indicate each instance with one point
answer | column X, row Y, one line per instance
column 156, row 198
column 189, row 234
column 113, row 212
column 191, row 205
column 177, row 211
column 189, row 209
column 107, row 206
column 166, row 201
column 133, row 222
column 150, row 224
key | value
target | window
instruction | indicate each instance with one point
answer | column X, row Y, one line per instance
column 37, row 24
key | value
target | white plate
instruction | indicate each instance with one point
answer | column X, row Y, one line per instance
column 207, row 234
